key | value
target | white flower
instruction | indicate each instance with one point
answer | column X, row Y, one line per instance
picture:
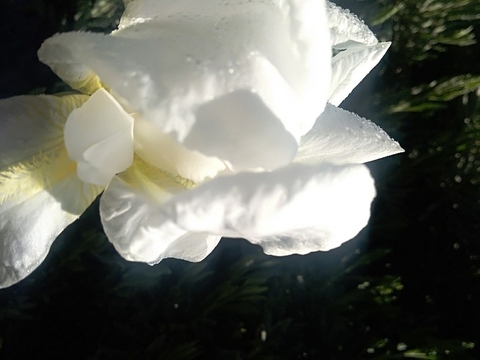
column 203, row 122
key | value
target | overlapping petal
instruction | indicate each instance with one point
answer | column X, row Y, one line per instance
column 346, row 29
column 177, row 60
column 32, row 152
column 289, row 34
column 350, row 66
column 26, row 234
column 33, row 124
column 342, row 137
column 357, row 51
column 330, row 203
column 40, row 193
column 135, row 222
column 160, row 150
column 99, row 137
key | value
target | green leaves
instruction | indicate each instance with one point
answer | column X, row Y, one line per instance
column 433, row 96
column 424, row 29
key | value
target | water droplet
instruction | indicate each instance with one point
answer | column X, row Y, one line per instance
column 263, row 335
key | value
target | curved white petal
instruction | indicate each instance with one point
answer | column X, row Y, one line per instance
column 275, row 30
column 160, row 150
column 329, row 201
column 29, row 227
column 134, row 221
column 342, row 137
column 349, row 67
column 251, row 137
column 30, row 224
column 346, row 29
column 290, row 34
column 55, row 174
column 303, row 241
column 334, row 200
column 32, row 152
column 38, row 199
column 30, row 125
column 184, row 56
column 40, row 193
column 99, row 136
column 27, row 231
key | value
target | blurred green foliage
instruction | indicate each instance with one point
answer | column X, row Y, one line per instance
column 424, row 28
column 436, row 94
column 411, row 292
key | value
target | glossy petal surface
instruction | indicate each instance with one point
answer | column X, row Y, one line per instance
column 290, row 35
column 99, row 136
column 349, row 67
column 342, row 137
column 160, row 150
column 174, row 60
column 33, row 157
column 252, row 136
column 27, row 231
column 40, row 193
column 346, row 29
column 332, row 203
column 33, row 124
column 136, row 224
column 29, row 225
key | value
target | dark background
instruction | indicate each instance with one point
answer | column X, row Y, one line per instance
column 406, row 287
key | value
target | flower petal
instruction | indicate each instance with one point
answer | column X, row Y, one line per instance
column 186, row 56
column 29, row 226
column 291, row 35
column 134, row 221
column 342, row 137
column 33, row 124
column 252, row 137
column 27, row 231
column 160, row 150
column 55, row 174
column 331, row 202
column 37, row 201
column 99, row 136
column 349, row 67
column 40, row 193
column 346, row 29
column 32, row 155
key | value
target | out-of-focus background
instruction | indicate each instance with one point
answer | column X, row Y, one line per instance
column 407, row 287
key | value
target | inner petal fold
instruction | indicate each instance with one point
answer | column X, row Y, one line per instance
column 100, row 134
column 249, row 134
